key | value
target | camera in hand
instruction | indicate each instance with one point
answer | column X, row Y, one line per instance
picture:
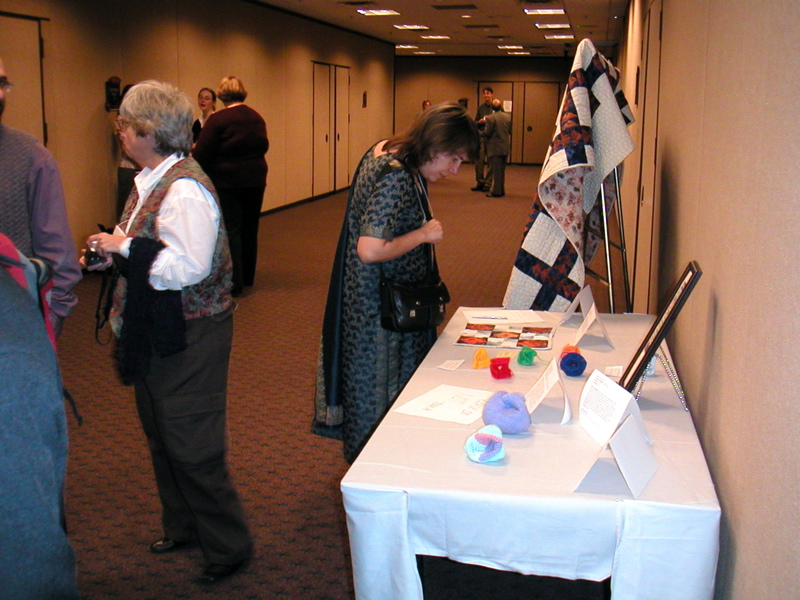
column 93, row 258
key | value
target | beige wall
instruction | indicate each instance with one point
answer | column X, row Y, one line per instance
column 728, row 157
column 194, row 43
column 441, row 78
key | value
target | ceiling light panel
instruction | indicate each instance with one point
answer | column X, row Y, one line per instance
column 544, row 11
column 378, row 12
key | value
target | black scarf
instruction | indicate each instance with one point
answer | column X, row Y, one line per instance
column 152, row 320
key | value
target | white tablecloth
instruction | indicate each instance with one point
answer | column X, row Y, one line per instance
column 414, row 491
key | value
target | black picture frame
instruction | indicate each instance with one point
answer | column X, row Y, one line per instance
column 680, row 293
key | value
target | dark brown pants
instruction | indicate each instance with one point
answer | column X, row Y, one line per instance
column 182, row 406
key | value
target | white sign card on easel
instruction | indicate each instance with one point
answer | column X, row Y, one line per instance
column 549, row 378
column 590, row 319
column 585, row 300
column 609, row 413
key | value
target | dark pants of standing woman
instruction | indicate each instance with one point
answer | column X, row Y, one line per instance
column 497, row 167
column 241, row 211
column 182, row 405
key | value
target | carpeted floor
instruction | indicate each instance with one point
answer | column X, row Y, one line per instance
column 287, row 477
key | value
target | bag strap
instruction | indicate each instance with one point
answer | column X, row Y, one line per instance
column 105, row 298
column 419, row 187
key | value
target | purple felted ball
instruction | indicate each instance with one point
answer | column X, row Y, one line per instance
column 508, row 412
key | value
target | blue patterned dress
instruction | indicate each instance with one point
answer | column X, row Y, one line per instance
column 374, row 364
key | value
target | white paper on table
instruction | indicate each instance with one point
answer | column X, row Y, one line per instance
column 542, row 387
column 603, row 404
column 627, row 465
column 588, row 320
column 448, row 403
column 586, row 301
column 635, row 458
column 495, row 315
column 453, row 364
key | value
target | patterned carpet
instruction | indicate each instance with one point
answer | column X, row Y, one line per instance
column 287, row 477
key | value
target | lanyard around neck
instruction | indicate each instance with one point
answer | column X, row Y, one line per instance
column 422, row 191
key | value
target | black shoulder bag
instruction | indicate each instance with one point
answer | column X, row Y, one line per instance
column 417, row 305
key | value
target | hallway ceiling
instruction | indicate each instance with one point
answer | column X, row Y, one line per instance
column 475, row 27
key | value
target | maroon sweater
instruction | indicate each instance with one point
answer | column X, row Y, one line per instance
column 231, row 148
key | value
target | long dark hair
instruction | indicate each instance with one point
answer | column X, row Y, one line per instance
column 443, row 128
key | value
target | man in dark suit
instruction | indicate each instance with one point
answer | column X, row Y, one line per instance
column 497, row 132
column 482, row 177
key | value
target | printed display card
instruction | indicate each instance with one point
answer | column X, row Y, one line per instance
column 542, row 387
column 492, row 335
column 609, row 414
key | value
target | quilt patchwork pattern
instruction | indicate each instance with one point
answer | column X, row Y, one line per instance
column 591, row 138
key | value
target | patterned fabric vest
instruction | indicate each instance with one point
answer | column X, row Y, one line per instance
column 212, row 294
column 16, row 159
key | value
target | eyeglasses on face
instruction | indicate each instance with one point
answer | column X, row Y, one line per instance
column 121, row 124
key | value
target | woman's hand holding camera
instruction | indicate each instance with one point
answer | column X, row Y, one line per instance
column 99, row 247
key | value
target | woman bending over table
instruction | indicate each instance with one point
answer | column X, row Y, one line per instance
column 363, row 367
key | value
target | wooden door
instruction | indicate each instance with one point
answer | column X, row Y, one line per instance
column 342, row 128
column 322, row 130
column 540, row 110
column 645, row 255
column 20, row 40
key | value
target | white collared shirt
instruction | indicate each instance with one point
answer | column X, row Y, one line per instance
column 187, row 224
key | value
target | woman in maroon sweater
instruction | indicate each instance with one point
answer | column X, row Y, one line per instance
column 231, row 149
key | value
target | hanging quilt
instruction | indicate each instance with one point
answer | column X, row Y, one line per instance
column 591, row 139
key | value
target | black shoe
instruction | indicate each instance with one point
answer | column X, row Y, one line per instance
column 215, row 572
column 495, row 195
column 166, row 544
column 478, row 188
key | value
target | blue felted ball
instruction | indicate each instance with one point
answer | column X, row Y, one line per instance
column 508, row 412
column 573, row 364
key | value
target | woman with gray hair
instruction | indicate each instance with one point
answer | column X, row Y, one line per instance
column 231, row 149
column 173, row 316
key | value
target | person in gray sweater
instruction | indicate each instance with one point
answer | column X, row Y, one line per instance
column 36, row 558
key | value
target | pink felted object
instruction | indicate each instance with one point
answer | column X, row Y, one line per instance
column 485, row 445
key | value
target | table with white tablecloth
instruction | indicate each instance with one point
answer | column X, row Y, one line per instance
column 556, row 505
